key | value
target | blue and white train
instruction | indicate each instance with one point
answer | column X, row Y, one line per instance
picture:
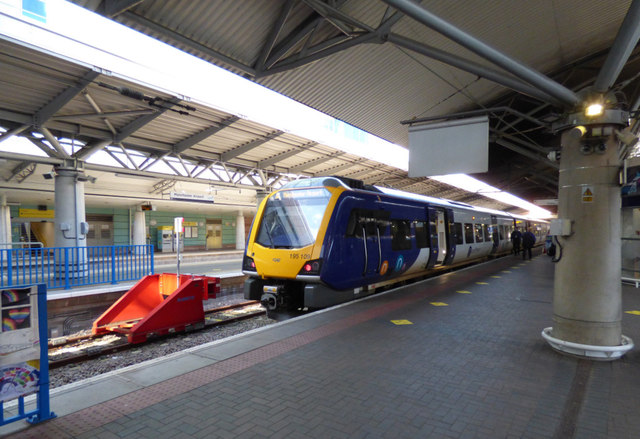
column 322, row 241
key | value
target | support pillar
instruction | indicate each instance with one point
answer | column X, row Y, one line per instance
column 70, row 224
column 587, row 301
column 240, row 235
column 139, row 228
column 5, row 223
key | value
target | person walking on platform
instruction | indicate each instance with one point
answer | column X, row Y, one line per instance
column 516, row 237
column 528, row 240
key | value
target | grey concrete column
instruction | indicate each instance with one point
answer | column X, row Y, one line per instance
column 70, row 223
column 5, row 222
column 139, row 228
column 240, row 235
column 587, row 301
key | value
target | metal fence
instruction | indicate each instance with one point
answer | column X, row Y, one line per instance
column 67, row 267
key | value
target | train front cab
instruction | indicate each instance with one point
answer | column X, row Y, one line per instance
column 284, row 246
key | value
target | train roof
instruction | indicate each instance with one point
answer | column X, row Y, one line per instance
column 353, row 184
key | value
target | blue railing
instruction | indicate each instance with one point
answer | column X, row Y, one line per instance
column 67, row 267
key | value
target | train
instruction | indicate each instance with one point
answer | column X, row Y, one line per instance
column 321, row 241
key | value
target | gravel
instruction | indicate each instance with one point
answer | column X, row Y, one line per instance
column 155, row 349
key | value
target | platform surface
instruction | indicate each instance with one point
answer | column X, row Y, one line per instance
column 458, row 356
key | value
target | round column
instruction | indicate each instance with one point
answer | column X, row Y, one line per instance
column 70, row 223
column 240, row 235
column 587, row 302
column 139, row 228
column 5, row 223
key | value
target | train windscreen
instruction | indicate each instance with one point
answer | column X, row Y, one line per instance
column 291, row 219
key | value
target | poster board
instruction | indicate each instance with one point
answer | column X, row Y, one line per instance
column 24, row 363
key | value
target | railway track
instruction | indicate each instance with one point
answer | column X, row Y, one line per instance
column 73, row 350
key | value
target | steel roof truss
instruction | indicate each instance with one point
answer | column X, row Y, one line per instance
column 315, row 162
column 242, row 149
column 63, row 99
column 284, row 155
column 518, row 69
column 185, row 144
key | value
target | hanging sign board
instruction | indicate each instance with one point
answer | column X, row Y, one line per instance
column 454, row 147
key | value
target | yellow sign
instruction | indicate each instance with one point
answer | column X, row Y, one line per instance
column 634, row 312
column 401, row 322
column 463, row 292
column 439, row 304
column 35, row 213
column 190, row 223
column 587, row 194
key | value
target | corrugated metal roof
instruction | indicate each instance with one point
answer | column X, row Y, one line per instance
column 373, row 86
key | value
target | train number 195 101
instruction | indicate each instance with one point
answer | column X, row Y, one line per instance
column 299, row 256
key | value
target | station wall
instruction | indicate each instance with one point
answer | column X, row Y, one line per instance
column 117, row 225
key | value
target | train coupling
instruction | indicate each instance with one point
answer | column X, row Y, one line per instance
column 272, row 298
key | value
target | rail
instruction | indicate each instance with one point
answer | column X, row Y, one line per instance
column 68, row 267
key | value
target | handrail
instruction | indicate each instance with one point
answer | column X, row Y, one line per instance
column 379, row 250
column 68, row 267
column 23, row 243
column 366, row 252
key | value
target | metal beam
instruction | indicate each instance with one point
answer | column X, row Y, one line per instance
column 315, row 162
column 185, row 144
column 242, row 149
column 344, row 166
column 128, row 130
column 12, row 132
column 293, row 63
column 476, row 113
column 273, row 34
column 472, row 67
column 54, row 143
column 113, row 8
column 625, row 42
column 337, row 18
column 527, row 153
column 284, row 155
column 531, row 76
column 63, row 99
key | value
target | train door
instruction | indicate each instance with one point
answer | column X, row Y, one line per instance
column 451, row 236
column 495, row 236
column 435, row 245
column 371, row 230
column 443, row 247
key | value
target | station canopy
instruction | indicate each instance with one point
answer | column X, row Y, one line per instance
column 378, row 66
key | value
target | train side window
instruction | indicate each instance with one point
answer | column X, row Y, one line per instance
column 422, row 237
column 468, row 233
column 400, row 235
column 486, row 232
column 457, row 229
column 477, row 228
column 501, row 231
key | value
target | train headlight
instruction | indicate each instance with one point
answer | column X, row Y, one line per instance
column 311, row 267
column 248, row 264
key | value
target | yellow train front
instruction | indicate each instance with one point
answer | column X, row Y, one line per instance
column 322, row 241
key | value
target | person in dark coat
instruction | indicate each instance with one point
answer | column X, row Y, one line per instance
column 516, row 238
column 528, row 240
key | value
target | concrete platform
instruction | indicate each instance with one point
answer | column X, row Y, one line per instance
column 459, row 356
